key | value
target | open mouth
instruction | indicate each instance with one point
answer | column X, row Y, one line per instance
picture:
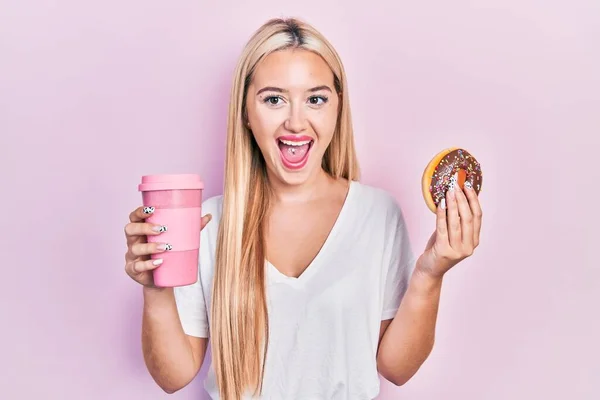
column 294, row 150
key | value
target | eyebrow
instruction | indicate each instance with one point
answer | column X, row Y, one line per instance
column 280, row 90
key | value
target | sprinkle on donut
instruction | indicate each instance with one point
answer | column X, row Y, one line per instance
column 457, row 167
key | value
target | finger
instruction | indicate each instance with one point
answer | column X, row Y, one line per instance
column 475, row 206
column 205, row 220
column 147, row 265
column 454, row 233
column 141, row 213
column 143, row 229
column 466, row 218
column 441, row 222
column 144, row 249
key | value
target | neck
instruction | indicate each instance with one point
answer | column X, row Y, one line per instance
column 308, row 190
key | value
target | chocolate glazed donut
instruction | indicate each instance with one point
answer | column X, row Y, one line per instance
column 450, row 167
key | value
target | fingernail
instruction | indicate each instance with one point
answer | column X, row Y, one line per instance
column 452, row 185
column 159, row 228
column 453, row 182
column 148, row 210
column 443, row 204
column 164, row 246
column 158, row 261
column 468, row 185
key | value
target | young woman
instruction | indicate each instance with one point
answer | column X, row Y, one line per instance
column 308, row 287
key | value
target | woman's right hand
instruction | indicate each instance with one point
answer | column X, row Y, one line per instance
column 138, row 264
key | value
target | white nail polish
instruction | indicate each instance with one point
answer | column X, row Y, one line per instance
column 443, row 204
column 160, row 228
column 158, row 261
column 453, row 182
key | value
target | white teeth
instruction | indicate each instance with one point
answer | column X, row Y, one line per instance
column 291, row 143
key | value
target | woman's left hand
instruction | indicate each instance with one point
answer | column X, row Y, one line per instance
column 456, row 235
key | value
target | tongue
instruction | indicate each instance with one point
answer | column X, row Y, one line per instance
column 293, row 154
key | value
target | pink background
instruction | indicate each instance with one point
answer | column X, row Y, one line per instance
column 95, row 94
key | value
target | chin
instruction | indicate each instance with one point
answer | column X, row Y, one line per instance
column 293, row 178
column 296, row 176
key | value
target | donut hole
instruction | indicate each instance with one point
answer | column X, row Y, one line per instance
column 461, row 178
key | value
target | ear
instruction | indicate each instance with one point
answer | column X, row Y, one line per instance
column 245, row 120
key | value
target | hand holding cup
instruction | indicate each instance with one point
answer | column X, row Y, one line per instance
column 163, row 235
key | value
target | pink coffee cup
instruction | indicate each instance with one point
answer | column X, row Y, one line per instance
column 177, row 202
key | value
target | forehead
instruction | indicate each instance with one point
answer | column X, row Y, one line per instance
column 293, row 68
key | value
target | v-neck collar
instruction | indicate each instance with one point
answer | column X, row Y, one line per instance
column 276, row 275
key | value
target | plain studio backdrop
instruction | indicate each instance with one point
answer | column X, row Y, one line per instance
column 95, row 94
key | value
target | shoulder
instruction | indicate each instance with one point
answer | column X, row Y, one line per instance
column 377, row 201
column 380, row 209
column 214, row 206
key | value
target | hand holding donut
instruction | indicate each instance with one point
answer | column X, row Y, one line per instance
column 451, row 185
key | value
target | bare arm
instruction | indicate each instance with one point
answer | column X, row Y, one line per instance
column 407, row 340
column 172, row 357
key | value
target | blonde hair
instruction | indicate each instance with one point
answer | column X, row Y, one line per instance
column 239, row 315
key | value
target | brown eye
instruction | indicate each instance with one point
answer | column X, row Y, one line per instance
column 317, row 100
column 273, row 100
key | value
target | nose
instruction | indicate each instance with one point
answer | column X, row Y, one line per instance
column 296, row 121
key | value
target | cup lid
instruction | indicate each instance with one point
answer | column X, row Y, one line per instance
column 170, row 182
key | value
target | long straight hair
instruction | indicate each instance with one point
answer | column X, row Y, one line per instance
column 239, row 312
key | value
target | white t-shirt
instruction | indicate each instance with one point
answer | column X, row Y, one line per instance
column 323, row 326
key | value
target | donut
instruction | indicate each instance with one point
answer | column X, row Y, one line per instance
column 449, row 167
